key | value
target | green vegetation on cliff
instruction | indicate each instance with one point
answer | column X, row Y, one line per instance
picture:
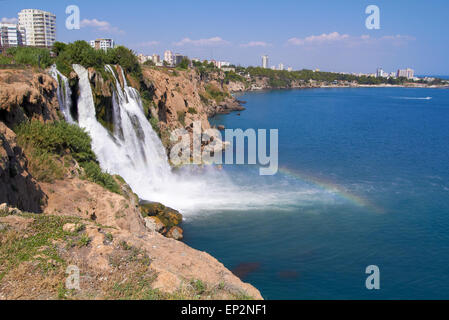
column 52, row 147
column 28, row 56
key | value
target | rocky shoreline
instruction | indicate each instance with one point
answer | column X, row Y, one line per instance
column 242, row 89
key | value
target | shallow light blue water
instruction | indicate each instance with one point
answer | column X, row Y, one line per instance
column 373, row 167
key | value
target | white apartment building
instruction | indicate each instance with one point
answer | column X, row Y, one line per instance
column 265, row 62
column 380, row 73
column 406, row 73
column 281, row 66
column 103, row 44
column 11, row 35
column 156, row 58
column 168, row 57
column 40, row 27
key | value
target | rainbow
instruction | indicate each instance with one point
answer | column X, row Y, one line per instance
column 331, row 188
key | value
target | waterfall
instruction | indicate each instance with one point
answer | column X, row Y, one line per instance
column 63, row 92
column 134, row 151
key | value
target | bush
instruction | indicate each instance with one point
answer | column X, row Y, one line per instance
column 51, row 145
column 184, row 64
column 31, row 56
column 93, row 173
column 5, row 59
column 57, row 138
column 215, row 93
column 181, row 117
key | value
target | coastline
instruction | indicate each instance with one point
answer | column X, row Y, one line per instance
column 413, row 86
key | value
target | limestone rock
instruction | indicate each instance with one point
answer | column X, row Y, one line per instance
column 69, row 227
column 168, row 216
column 3, row 207
column 175, row 233
column 154, row 224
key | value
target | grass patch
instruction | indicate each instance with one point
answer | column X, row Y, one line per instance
column 36, row 246
column 181, row 117
column 192, row 110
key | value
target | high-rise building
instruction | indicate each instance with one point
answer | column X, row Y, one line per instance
column 103, row 44
column 156, row 58
column 265, row 61
column 168, row 57
column 281, row 66
column 380, row 73
column 11, row 35
column 177, row 58
column 40, row 27
column 406, row 73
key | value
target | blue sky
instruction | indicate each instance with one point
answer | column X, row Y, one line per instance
column 329, row 35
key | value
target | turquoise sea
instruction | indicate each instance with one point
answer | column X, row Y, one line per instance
column 372, row 169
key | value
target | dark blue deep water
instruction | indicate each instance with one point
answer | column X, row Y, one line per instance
column 374, row 167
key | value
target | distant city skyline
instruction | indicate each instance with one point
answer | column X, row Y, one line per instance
column 325, row 35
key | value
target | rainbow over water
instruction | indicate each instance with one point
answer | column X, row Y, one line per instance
column 331, row 187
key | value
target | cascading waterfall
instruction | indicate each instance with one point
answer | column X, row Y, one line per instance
column 63, row 92
column 134, row 151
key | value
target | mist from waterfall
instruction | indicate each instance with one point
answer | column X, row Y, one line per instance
column 134, row 151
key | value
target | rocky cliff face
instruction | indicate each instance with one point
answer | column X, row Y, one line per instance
column 24, row 95
column 182, row 97
column 17, row 186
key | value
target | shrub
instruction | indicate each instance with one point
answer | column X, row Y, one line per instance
column 215, row 93
column 192, row 110
column 181, row 117
column 5, row 59
column 155, row 124
column 94, row 173
column 31, row 56
column 48, row 144
column 57, row 138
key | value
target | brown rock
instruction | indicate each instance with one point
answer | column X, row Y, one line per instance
column 69, row 227
column 168, row 216
column 154, row 224
column 175, row 233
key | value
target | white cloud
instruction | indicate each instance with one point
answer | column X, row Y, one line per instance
column 323, row 38
column 100, row 25
column 255, row 44
column 202, row 42
column 335, row 37
column 9, row 20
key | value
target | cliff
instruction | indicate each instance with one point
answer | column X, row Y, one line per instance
column 24, row 95
column 180, row 97
column 90, row 220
